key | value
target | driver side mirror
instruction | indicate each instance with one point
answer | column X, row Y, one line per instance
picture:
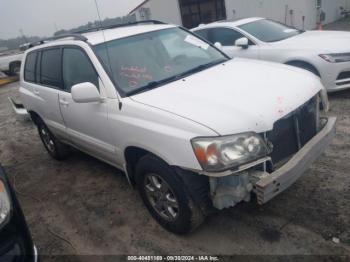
column 218, row 45
column 242, row 42
column 85, row 93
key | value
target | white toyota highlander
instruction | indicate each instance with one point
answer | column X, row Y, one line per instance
column 193, row 130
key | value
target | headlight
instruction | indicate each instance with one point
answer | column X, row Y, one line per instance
column 336, row 58
column 5, row 206
column 220, row 153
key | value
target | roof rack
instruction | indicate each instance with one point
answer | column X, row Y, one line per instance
column 155, row 22
column 74, row 36
column 77, row 34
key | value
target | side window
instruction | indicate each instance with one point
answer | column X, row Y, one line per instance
column 226, row 36
column 29, row 68
column 51, row 67
column 77, row 68
column 203, row 33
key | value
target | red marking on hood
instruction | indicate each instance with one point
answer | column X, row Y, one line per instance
column 280, row 100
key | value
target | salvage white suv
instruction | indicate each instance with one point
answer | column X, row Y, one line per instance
column 193, row 130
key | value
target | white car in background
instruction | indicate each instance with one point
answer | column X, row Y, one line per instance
column 10, row 63
column 324, row 53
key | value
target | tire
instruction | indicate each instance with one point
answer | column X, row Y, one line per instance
column 14, row 69
column 166, row 197
column 305, row 66
column 54, row 147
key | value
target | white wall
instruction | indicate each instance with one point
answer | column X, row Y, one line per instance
column 276, row 9
column 164, row 10
column 169, row 11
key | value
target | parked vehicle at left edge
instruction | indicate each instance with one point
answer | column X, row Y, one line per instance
column 324, row 53
column 10, row 63
column 16, row 244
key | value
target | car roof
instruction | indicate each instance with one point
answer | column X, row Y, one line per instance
column 105, row 35
column 232, row 23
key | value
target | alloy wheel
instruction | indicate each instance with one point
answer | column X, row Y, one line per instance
column 161, row 197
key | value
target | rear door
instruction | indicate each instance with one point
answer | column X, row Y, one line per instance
column 42, row 77
column 87, row 123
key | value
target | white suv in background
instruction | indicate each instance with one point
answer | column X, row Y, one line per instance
column 193, row 130
column 324, row 53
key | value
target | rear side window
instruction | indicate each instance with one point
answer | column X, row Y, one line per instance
column 29, row 69
column 51, row 68
column 77, row 68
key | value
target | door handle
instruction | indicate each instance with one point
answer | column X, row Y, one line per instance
column 36, row 92
column 64, row 102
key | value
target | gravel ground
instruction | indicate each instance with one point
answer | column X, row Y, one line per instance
column 91, row 206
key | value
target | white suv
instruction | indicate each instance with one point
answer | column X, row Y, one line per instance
column 193, row 130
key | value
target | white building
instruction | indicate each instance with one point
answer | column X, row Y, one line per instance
column 302, row 14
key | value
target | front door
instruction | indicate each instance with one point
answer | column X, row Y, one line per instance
column 87, row 123
column 227, row 37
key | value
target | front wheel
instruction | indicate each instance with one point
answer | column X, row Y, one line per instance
column 166, row 197
column 54, row 147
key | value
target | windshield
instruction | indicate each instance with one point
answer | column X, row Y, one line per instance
column 269, row 31
column 146, row 61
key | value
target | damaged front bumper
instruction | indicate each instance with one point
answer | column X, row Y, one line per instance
column 269, row 185
column 228, row 190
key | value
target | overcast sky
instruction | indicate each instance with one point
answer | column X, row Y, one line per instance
column 41, row 17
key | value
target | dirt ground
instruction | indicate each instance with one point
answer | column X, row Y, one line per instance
column 84, row 206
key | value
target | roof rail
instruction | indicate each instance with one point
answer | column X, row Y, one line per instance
column 74, row 36
column 156, row 22
column 77, row 34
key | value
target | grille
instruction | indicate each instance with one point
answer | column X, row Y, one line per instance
column 294, row 131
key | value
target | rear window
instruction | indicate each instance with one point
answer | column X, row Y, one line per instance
column 51, row 68
column 29, row 69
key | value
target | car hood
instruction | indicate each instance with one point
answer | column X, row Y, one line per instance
column 330, row 41
column 238, row 96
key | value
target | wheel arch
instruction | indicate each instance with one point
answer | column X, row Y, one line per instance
column 35, row 117
column 300, row 63
column 132, row 154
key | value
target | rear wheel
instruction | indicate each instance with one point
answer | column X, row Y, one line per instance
column 54, row 147
column 166, row 197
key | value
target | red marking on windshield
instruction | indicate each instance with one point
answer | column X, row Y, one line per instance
column 134, row 74
column 133, row 83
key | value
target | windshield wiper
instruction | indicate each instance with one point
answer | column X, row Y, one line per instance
column 155, row 84
column 152, row 85
column 201, row 68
